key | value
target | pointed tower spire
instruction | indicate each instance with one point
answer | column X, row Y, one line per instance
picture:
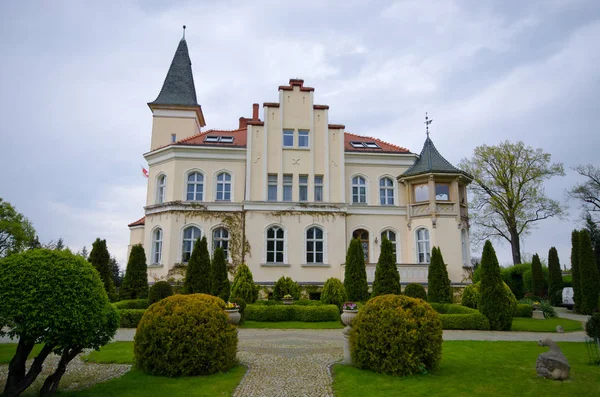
column 178, row 88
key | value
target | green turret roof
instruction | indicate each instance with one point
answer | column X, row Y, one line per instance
column 178, row 88
column 431, row 161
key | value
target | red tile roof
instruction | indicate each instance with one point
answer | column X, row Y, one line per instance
column 239, row 138
column 385, row 147
column 139, row 222
column 297, row 83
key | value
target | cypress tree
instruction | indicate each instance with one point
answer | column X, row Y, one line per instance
column 494, row 301
column 555, row 283
column 588, row 275
column 355, row 273
column 100, row 258
column 221, row 285
column 438, row 282
column 387, row 278
column 243, row 285
column 537, row 278
column 575, row 269
column 135, row 282
column 198, row 276
column 594, row 232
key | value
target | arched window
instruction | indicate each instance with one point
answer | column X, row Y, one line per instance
column 386, row 191
column 314, row 245
column 161, row 189
column 423, row 251
column 363, row 235
column 275, row 244
column 359, row 190
column 190, row 235
column 465, row 248
column 157, row 239
column 390, row 235
column 223, row 187
column 195, row 187
column 221, row 239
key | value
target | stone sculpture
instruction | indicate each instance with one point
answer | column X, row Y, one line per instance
column 552, row 364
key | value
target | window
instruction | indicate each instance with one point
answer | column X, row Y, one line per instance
column 371, row 145
column 272, row 187
column 195, row 186
column 421, row 193
column 390, row 235
column 223, row 187
column 442, row 191
column 221, row 239
column 314, row 245
column 303, row 138
column 288, row 180
column 363, row 235
column 303, row 187
column 226, row 139
column 423, row 252
column 288, row 138
column 362, row 145
column 161, row 189
column 173, row 138
column 190, row 235
column 216, row 139
column 465, row 250
column 211, row 139
column 386, row 191
column 359, row 190
column 157, row 238
column 275, row 241
column 318, row 187
column 356, row 144
column 462, row 194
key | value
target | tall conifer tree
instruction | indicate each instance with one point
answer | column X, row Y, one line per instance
column 555, row 283
column 355, row 273
column 575, row 269
column 588, row 275
column 494, row 301
column 198, row 276
column 100, row 258
column 387, row 278
column 438, row 282
column 221, row 285
column 537, row 277
column 135, row 282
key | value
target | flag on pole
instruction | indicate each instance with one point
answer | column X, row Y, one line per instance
column 144, row 171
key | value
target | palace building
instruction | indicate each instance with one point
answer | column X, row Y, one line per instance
column 287, row 190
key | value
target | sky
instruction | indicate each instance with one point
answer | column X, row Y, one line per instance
column 75, row 78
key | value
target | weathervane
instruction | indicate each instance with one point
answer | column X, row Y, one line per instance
column 427, row 122
column 184, row 32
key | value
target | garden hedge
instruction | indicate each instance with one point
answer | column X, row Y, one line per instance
column 523, row 310
column 460, row 317
column 301, row 302
column 132, row 304
column 274, row 313
column 130, row 318
column 160, row 290
column 415, row 290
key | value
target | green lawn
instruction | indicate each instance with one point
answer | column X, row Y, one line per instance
column 292, row 325
column 112, row 353
column 7, row 351
column 470, row 368
column 547, row 325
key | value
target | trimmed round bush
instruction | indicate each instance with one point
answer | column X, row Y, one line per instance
column 396, row 335
column 160, row 290
column 334, row 292
column 415, row 290
column 185, row 335
column 470, row 296
column 592, row 327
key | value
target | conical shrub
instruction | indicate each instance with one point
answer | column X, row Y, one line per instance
column 588, row 272
column 438, row 288
column 555, row 282
column 135, row 282
column 494, row 302
column 243, row 285
column 198, row 276
column 387, row 278
column 355, row 273
column 537, row 278
column 221, row 285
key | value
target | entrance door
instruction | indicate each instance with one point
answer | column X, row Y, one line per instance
column 363, row 235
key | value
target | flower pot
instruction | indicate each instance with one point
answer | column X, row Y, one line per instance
column 234, row 316
column 287, row 301
column 348, row 317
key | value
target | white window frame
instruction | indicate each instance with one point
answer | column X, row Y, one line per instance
column 318, row 186
column 287, row 132
column 288, row 185
column 217, row 241
column 303, row 186
column 423, row 246
column 157, row 243
column 303, row 134
column 355, row 184
column 224, row 183
column 195, row 183
column 193, row 239
column 314, row 240
column 396, row 242
column 272, row 184
column 387, row 189
column 275, row 240
column 161, row 188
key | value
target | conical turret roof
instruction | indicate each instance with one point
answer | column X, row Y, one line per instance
column 431, row 161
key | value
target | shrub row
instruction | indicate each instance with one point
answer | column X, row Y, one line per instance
column 450, row 308
column 132, row 304
column 130, row 318
column 460, row 317
column 292, row 313
column 523, row 310
column 301, row 302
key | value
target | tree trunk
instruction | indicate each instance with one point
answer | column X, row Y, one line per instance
column 16, row 368
column 515, row 245
column 51, row 383
column 19, row 384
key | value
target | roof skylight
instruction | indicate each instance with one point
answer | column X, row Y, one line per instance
column 216, row 138
column 370, row 145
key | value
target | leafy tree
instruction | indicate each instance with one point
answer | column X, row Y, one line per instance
column 35, row 243
column 198, row 276
column 55, row 299
column 594, row 233
column 537, row 278
column 387, row 279
column 83, row 253
column 16, row 232
column 438, row 282
column 508, row 195
column 575, row 269
column 135, row 283
column 100, row 258
column 60, row 244
column 355, row 273
column 221, row 284
column 243, row 285
column 588, row 192
column 555, row 282
column 588, row 275
column 494, row 302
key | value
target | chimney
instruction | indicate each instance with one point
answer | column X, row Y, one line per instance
column 243, row 122
column 255, row 112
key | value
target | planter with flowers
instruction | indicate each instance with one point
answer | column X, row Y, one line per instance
column 349, row 311
column 233, row 312
column 287, row 299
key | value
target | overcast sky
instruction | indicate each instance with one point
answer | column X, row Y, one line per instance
column 75, row 78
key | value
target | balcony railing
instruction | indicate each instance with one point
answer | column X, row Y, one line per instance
column 420, row 209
